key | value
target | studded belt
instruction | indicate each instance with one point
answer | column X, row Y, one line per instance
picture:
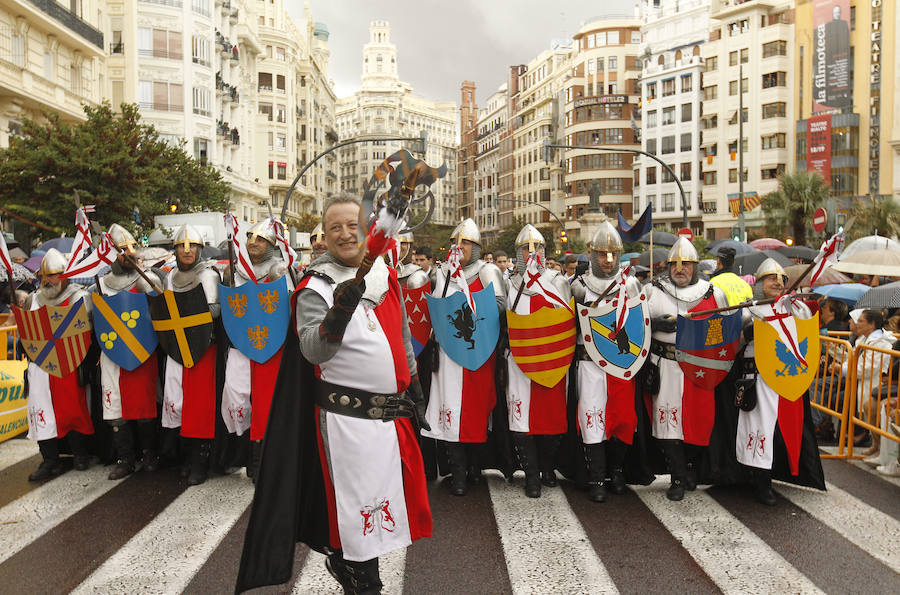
column 666, row 350
column 354, row 402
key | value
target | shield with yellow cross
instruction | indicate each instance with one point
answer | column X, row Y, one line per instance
column 183, row 324
column 256, row 317
column 55, row 338
column 620, row 354
column 123, row 328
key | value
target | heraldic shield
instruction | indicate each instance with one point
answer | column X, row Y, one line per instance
column 256, row 317
column 56, row 338
column 705, row 348
column 778, row 365
column 418, row 317
column 619, row 355
column 542, row 343
column 469, row 339
column 183, row 324
column 123, row 328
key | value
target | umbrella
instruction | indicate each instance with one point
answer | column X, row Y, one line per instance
column 846, row 292
column 582, row 258
column 884, row 296
column 869, row 243
column 739, row 247
column 801, row 252
column 658, row 257
column 629, row 255
column 213, row 253
column 748, row 263
column 660, row 238
column 828, row 277
column 33, row 263
column 871, row 262
column 17, row 253
column 707, row 265
column 64, row 245
column 767, row 244
column 20, row 273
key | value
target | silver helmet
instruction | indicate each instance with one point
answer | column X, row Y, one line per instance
column 121, row 237
column 606, row 245
column 767, row 267
column 532, row 239
column 316, row 235
column 53, row 263
column 265, row 229
column 468, row 230
column 683, row 251
column 187, row 235
column 404, row 238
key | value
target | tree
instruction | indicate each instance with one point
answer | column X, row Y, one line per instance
column 789, row 210
column 506, row 239
column 306, row 222
column 437, row 237
column 880, row 215
column 112, row 160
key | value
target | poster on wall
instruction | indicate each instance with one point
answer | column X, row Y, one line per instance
column 831, row 55
column 818, row 146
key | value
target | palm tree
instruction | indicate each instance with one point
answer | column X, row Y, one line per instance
column 878, row 215
column 791, row 207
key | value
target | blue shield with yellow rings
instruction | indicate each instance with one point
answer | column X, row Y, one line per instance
column 123, row 328
column 256, row 317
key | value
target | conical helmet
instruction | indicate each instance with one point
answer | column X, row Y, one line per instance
column 405, row 238
column 53, row 263
column 121, row 237
column 531, row 237
column 467, row 230
column 770, row 267
column 316, row 235
column 682, row 251
column 265, row 229
column 606, row 238
column 186, row 235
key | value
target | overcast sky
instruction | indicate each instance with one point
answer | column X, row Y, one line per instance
column 440, row 43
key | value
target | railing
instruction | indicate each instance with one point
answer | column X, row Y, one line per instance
column 172, row 3
column 9, row 341
column 828, row 390
column 71, row 20
column 160, row 106
column 873, row 403
column 117, row 48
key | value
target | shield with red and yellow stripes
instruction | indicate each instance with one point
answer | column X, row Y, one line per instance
column 543, row 342
column 56, row 338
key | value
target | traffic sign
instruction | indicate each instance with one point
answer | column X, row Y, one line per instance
column 684, row 232
column 820, row 217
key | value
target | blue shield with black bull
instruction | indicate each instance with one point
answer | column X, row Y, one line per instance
column 468, row 338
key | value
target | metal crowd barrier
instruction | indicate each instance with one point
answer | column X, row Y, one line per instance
column 9, row 343
column 828, row 392
column 873, row 396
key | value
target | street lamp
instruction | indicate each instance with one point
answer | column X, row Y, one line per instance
column 684, row 206
column 422, row 138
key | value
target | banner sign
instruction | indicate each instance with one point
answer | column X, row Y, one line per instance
column 13, row 408
column 831, row 55
column 818, row 146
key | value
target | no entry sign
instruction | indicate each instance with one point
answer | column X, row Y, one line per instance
column 820, row 217
column 684, row 232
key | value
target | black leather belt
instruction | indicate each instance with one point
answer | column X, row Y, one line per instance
column 666, row 350
column 354, row 402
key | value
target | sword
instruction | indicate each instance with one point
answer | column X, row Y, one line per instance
column 231, row 259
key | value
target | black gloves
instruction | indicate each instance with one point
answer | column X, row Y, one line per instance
column 414, row 393
column 346, row 298
column 664, row 324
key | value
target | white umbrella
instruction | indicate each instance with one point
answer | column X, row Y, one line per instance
column 871, row 262
column 20, row 273
column 869, row 243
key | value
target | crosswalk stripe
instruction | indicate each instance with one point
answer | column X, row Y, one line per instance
column 165, row 555
column 734, row 557
column 15, row 451
column 546, row 548
column 868, row 528
column 38, row 511
column 314, row 578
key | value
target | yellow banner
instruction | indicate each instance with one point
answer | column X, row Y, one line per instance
column 13, row 404
column 776, row 363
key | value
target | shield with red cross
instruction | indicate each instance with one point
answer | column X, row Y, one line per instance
column 417, row 316
column 56, row 338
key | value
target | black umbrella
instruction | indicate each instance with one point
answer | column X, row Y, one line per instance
column 660, row 238
column 658, row 257
column 801, row 252
column 746, row 264
column 883, row 296
column 213, row 253
column 739, row 247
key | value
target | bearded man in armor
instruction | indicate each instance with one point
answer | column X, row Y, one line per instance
column 537, row 414
column 193, row 412
column 129, row 396
column 247, row 394
column 57, row 407
column 606, row 439
column 317, row 242
column 465, row 397
column 682, row 412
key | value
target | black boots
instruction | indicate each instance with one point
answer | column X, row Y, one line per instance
column 51, row 465
column 147, row 438
column 527, row 455
column 356, row 578
column 616, row 451
column 123, row 441
column 547, row 454
column 762, row 486
column 595, row 457
column 456, row 457
column 255, row 458
column 78, row 444
column 199, row 461
column 674, row 451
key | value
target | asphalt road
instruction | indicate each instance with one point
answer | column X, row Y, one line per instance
column 151, row 533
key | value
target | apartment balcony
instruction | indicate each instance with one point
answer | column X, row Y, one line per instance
column 709, row 207
column 160, row 106
column 71, row 21
column 117, row 48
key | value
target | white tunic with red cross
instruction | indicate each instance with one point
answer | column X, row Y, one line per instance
column 373, row 470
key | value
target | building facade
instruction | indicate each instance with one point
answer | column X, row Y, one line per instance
column 490, row 127
column 52, row 59
column 601, row 96
column 673, row 32
column 387, row 106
